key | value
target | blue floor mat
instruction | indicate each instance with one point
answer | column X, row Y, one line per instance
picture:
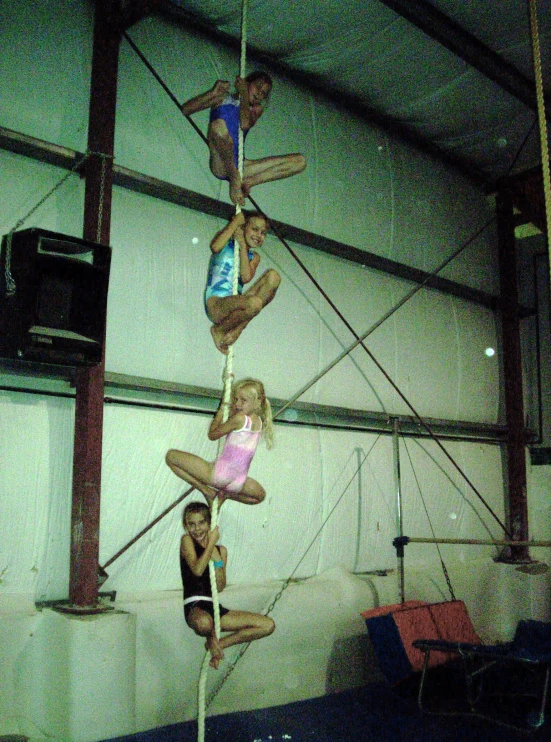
column 375, row 712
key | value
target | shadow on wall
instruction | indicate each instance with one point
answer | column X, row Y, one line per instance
column 352, row 663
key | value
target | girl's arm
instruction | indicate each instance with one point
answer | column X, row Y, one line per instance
column 247, row 268
column 209, row 99
column 221, row 571
column 187, row 547
column 242, row 88
column 220, row 239
column 255, row 112
column 219, row 429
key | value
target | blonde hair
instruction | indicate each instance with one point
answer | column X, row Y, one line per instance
column 264, row 406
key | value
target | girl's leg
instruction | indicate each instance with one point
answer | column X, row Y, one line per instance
column 232, row 314
column 222, row 163
column 222, row 307
column 229, row 313
column 265, row 288
column 192, row 469
column 267, row 169
column 244, row 627
column 202, row 623
column 252, row 493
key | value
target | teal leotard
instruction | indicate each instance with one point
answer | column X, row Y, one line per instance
column 220, row 273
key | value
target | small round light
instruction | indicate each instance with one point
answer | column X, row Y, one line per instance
column 489, row 352
column 194, row 240
column 453, row 516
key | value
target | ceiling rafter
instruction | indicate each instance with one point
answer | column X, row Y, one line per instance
column 456, row 39
column 346, row 101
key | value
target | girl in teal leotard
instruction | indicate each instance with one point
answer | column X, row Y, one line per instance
column 229, row 313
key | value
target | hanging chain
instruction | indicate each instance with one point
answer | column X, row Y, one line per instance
column 11, row 287
column 104, row 159
column 446, row 575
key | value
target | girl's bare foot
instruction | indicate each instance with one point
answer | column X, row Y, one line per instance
column 218, row 337
column 236, row 190
column 230, row 338
column 212, row 645
column 211, row 495
column 208, row 492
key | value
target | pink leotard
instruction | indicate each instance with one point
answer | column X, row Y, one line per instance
column 232, row 466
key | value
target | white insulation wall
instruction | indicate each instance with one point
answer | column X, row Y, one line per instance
column 360, row 187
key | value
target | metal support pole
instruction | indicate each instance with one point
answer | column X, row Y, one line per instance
column 399, row 520
column 359, row 460
column 83, row 587
column 516, row 504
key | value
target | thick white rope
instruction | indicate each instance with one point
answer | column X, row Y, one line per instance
column 541, row 120
column 226, row 397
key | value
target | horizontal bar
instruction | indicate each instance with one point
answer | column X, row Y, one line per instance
column 478, row 542
column 202, row 399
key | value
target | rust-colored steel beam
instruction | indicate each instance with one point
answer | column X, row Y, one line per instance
column 83, row 586
column 516, row 505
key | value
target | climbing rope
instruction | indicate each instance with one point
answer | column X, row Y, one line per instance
column 541, row 119
column 226, row 397
column 289, row 579
column 359, row 340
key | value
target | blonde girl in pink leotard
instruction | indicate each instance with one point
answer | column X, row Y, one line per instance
column 250, row 417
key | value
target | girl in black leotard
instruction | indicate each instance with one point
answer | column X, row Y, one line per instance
column 198, row 546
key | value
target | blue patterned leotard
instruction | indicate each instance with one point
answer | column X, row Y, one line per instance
column 220, row 274
column 228, row 111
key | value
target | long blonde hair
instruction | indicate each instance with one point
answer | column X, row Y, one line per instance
column 265, row 408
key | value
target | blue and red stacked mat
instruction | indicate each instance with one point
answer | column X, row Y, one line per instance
column 393, row 629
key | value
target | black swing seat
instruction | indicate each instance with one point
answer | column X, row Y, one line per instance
column 484, row 666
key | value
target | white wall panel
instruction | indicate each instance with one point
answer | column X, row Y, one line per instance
column 360, row 187
column 45, row 60
column 310, row 477
column 438, row 502
column 36, row 437
column 24, row 183
column 157, row 326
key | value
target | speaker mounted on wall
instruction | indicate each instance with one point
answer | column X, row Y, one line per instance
column 55, row 310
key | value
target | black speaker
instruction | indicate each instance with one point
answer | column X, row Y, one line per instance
column 53, row 298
